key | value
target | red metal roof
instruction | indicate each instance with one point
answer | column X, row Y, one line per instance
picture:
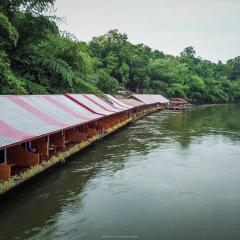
column 159, row 98
column 95, row 104
column 31, row 116
column 150, row 98
column 117, row 103
column 133, row 102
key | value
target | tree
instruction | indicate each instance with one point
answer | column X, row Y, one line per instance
column 177, row 90
column 105, row 82
column 233, row 66
column 189, row 52
column 35, row 57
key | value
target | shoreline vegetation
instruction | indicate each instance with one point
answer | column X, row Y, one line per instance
column 36, row 58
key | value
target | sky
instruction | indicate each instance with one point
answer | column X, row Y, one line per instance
column 212, row 27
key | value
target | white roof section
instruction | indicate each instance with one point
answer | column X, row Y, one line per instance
column 150, row 98
column 27, row 117
column 117, row 103
column 133, row 102
column 94, row 103
column 159, row 98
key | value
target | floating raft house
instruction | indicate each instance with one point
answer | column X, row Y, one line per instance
column 132, row 102
column 39, row 131
column 151, row 100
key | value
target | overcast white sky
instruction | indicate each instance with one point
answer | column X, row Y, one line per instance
column 212, row 27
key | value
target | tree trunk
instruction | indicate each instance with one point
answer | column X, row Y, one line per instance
column 137, row 88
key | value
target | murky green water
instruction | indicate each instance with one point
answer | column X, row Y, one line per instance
column 167, row 176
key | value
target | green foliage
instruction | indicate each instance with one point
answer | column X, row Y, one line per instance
column 9, row 82
column 40, row 59
column 189, row 52
column 196, row 88
column 234, row 68
column 177, row 90
column 35, row 6
column 105, row 82
column 63, row 62
column 35, row 58
column 8, row 32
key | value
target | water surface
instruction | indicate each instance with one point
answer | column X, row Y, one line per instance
column 170, row 175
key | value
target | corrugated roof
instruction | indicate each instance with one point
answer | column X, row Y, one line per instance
column 117, row 103
column 143, row 98
column 72, row 107
column 119, row 97
column 159, row 98
column 26, row 117
column 150, row 98
column 94, row 103
column 132, row 102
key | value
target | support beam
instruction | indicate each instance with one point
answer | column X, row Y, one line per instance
column 58, row 140
column 5, row 155
column 42, row 147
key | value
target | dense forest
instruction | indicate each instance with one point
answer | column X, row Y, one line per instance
column 36, row 58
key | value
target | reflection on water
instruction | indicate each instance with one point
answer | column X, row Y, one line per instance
column 167, row 176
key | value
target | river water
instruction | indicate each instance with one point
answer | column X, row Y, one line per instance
column 170, row 175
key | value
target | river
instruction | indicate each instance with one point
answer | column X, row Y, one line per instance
column 169, row 175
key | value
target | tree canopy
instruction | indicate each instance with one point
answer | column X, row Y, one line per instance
column 35, row 57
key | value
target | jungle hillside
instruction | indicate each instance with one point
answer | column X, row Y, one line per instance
column 37, row 58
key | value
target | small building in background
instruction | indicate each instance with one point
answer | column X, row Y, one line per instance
column 177, row 103
column 155, row 100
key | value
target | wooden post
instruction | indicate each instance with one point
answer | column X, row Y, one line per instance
column 5, row 155
column 42, row 147
column 58, row 140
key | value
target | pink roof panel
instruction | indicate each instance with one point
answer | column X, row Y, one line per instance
column 159, row 98
column 150, row 98
column 133, row 102
column 144, row 98
column 94, row 103
column 117, row 103
column 26, row 117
